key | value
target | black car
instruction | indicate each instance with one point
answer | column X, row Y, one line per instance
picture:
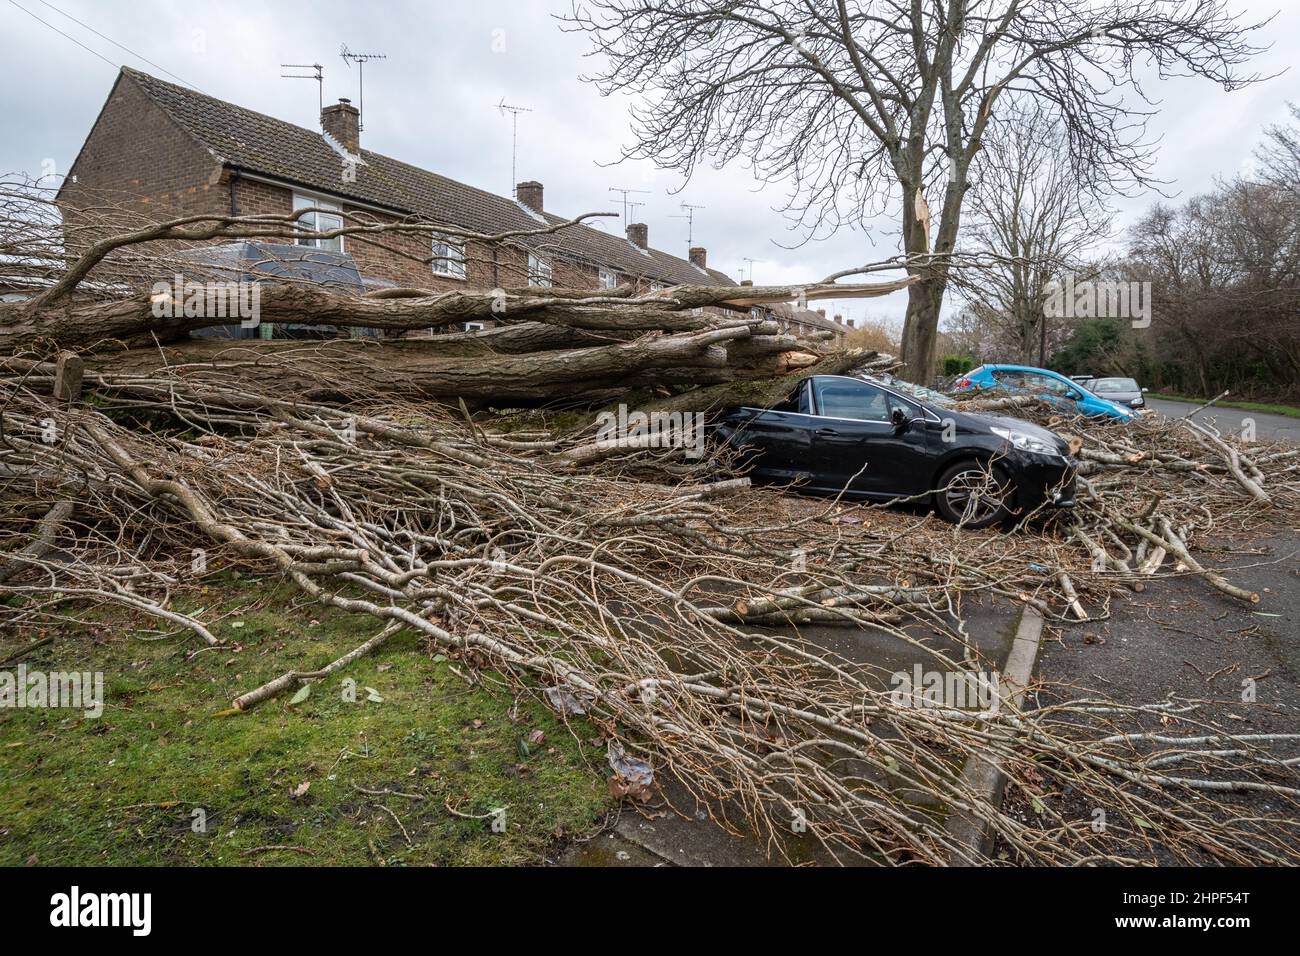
column 836, row 433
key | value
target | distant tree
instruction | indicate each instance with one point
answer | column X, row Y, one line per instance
column 1097, row 347
column 877, row 336
column 858, row 106
column 1034, row 224
column 1279, row 154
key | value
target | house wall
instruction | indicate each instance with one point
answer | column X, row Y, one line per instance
column 399, row 258
column 136, row 167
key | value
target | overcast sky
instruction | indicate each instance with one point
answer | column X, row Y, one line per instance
column 432, row 102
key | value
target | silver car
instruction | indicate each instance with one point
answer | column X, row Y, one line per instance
column 1123, row 390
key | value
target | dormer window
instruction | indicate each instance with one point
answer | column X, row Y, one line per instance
column 327, row 219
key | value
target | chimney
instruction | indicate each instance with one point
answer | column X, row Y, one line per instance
column 839, row 319
column 638, row 233
column 342, row 121
column 530, row 194
column 746, row 281
column 699, row 257
column 822, row 313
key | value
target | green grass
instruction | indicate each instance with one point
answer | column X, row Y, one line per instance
column 121, row 789
column 1291, row 410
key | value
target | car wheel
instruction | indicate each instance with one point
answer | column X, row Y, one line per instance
column 973, row 495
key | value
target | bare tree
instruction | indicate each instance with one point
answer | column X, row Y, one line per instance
column 1033, row 223
column 859, row 106
column 1279, row 155
column 1225, row 275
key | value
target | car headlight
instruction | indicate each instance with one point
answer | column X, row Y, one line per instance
column 1025, row 442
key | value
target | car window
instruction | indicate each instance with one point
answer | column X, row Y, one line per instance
column 1049, row 385
column 792, row 402
column 1114, row 385
column 1011, row 378
column 844, row 398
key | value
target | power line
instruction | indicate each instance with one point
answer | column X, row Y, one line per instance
column 64, row 35
column 87, row 26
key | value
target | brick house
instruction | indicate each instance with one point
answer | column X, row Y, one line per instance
column 164, row 151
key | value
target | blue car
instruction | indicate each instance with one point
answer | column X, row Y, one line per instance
column 1071, row 397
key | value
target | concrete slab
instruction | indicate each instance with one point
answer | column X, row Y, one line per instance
column 692, row 838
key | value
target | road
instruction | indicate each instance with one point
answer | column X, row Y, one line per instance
column 1232, row 420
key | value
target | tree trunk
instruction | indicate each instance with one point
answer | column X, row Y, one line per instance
column 921, row 330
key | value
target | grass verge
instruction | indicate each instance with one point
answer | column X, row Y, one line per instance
column 163, row 778
column 1289, row 410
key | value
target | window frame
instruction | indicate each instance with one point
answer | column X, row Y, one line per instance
column 606, row 279
column 304, row 200
column 888, row 397
column 446, row 261
column 541, row 273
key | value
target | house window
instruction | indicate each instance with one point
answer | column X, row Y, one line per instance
column 474, row 326
column 607, row 279
column 539, row 271
column 656, row 287
column 448, row 257
column 323, row 221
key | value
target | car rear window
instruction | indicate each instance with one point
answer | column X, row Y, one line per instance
column 1115, row 385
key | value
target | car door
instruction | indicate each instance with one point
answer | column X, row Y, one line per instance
column 856, row 445
column 1058, row 392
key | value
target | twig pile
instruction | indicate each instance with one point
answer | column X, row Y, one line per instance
column 644, row 603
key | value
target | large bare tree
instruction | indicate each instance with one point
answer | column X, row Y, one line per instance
column 864, row 106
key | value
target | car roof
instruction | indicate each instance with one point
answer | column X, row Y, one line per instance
column 1025, row 368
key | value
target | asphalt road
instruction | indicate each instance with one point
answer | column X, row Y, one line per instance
column 1233, row 420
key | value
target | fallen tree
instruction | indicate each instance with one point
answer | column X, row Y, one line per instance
column 663, row 596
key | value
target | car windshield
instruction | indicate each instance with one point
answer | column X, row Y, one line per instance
column 1115, row 385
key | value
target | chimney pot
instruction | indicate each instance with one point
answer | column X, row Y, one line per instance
column 838, row 318
column 699, row 257
column 638, row 233
column 530, row 194
column 342, row 121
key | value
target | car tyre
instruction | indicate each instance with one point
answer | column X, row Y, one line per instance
column 971, row 494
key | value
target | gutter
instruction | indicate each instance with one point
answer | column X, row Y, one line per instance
column 340, row 197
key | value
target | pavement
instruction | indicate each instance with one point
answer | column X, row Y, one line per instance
column 1233, row 420
column 1183, row 640
column 678, row 830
